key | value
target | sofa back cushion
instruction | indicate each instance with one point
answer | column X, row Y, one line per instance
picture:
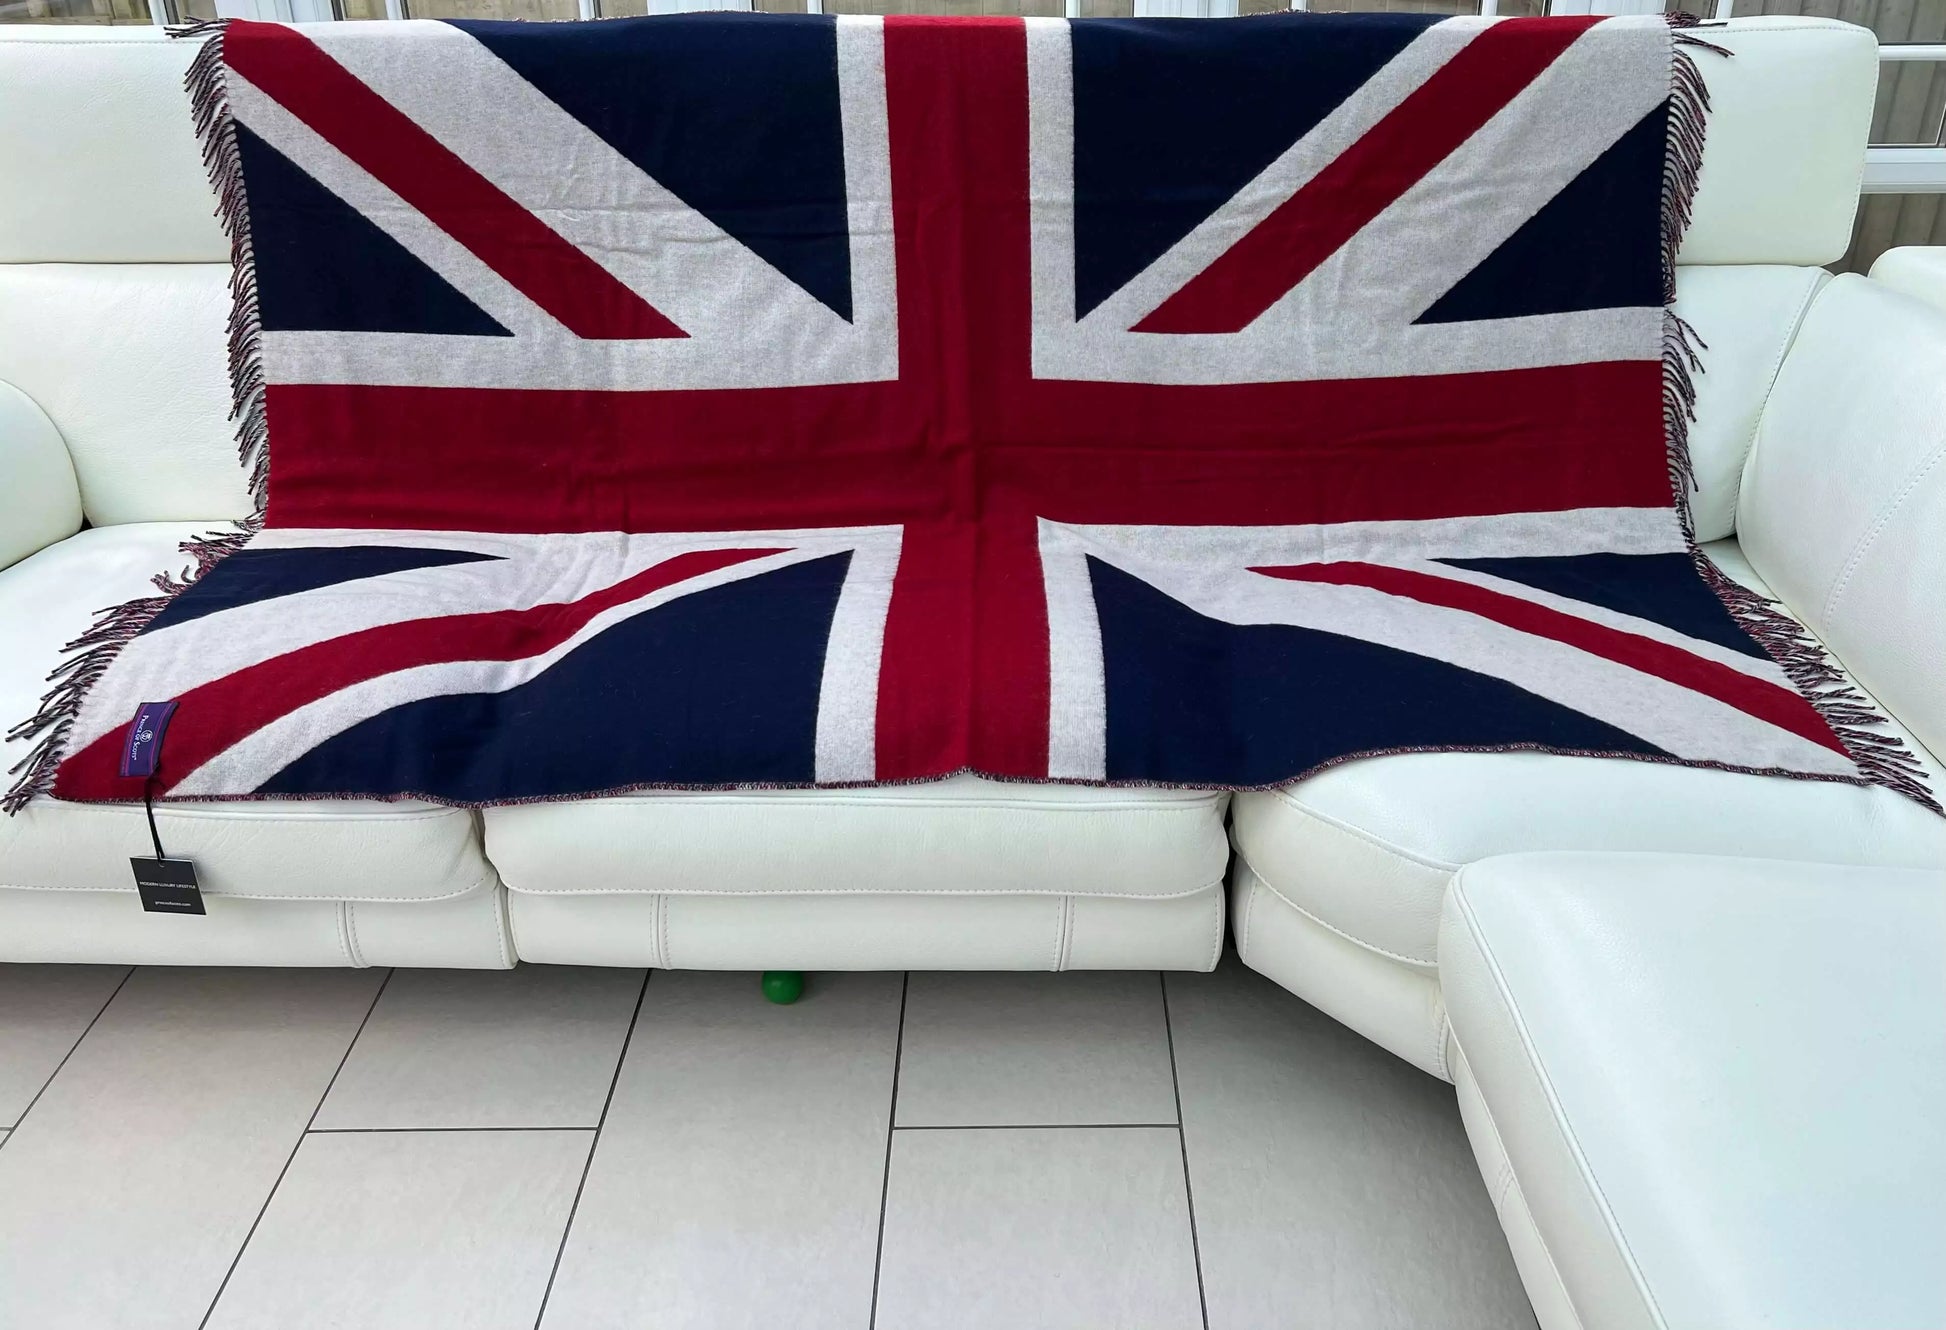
column 112, row 296
column 114, row 275
column 1745, row 316
column 98, row 162
column 1844, row 498
column 1790, row 110
column 128, row 361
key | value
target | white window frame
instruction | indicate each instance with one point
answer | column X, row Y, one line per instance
column 1907, row 170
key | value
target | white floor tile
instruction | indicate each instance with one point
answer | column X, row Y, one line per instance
column 409, row 1231
column 1025, row 1228
column 1332, row 1183
column 529, row 1047
column 1034, row 1049
column 43, row 1010
column 737, row 1179
column 127, row 1192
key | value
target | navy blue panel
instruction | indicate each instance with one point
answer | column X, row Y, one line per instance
column 1595, row 245
column 1171, row 119
column 735, row 114
column 1662, row 588
column 712, row 688
column 324, row 266
column 252, row 575
column 1196, row 700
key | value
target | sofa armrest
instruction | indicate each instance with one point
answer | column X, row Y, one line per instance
column 1917, row 270
column 40, row 501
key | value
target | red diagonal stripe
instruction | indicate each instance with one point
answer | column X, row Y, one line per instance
column 227, row 710
column 1754, row 697
column 1415, row 136
column 544, row 266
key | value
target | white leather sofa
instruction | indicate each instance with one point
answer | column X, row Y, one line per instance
column 1820, row 453
column 113, row 296
column 113, row 292
column 1707, row 1093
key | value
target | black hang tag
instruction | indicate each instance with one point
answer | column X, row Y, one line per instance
column 167, row 886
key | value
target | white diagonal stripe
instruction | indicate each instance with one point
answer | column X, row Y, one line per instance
column 711, row 285
column 533, row 570
column 458, row 265
column 1498, row 535
column 1402, row 261
column 1678, row 720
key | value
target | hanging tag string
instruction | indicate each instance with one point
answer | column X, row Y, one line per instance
column 148, row 806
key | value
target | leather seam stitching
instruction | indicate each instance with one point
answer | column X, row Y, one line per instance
column 1359, row 833
column 501, row 923
column 1218, row 909
column 1784, row 346
column 164, row 813
column 1870, row 538
column 513, row 927
column 1249, row 915
column 261, row 896
column 1356, row 941
column 674, row 799
column 1441, row 1026
column 348, row 935
column 852, row 891
column 1510, row 1182
column 1537, row 1070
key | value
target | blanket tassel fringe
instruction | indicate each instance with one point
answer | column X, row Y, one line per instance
column 1858, row 723
column 88, row 657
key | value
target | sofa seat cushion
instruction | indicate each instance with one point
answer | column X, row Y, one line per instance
column 333, row 850
column 1707, row 1092
column 1367, row 848
column 962, row 835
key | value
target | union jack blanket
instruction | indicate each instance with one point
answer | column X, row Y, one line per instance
column 751, row 400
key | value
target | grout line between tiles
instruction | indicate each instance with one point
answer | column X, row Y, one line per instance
column 1182, row 1139
column 295, row 1147
column 8, row 1134
column 1040, row 1126
column 394, row 1131
column 594, row 1143
column 891, row 1129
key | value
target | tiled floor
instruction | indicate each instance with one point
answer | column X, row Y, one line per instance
column 578, row 1149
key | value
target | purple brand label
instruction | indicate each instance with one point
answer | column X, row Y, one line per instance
column 144, row 747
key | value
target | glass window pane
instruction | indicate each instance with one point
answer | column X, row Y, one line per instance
column 1396, row 6
column 637, row 8
column 1911, row 106
column 1027, row 8
column 361, row 9
column 528, row 9
column 74, row 11
column 1893, row 20
column 1885, row 220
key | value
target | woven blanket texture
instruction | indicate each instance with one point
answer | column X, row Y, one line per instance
column 760, row 400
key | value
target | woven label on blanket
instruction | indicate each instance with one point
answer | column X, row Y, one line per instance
column 743, row 400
